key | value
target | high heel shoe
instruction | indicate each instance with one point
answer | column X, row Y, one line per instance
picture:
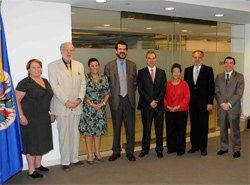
column 90, row 162
column 101, row 160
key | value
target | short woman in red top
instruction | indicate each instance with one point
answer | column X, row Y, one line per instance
column 176, row 102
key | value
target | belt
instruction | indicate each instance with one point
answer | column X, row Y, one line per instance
column 124, row 96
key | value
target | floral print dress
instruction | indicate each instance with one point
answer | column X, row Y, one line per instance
column 94, row 122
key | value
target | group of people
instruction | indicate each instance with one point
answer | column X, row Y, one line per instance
column 78, row 103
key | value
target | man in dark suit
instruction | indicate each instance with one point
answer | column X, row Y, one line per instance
column 152, row 87
column 200, row 79
column 122, row 76
column 229, row 88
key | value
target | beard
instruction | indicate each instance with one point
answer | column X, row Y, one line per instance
column 119, row 55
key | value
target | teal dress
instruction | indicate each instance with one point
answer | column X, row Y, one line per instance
column 94, row 122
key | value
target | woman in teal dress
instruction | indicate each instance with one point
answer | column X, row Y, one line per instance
column 93, row 123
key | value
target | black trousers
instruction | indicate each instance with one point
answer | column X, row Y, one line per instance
column 147, row 117
column 176, row 124
column 199, row 127
column 125, row 113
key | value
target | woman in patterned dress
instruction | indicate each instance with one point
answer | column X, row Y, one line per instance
column 33, row 95
column 93, row 121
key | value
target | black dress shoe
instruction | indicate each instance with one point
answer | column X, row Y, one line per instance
column 142, row 154
column 131, row 157
column 41, row 168
column 180, row 153
column 203, row 152
column 236, row 154
column 159, row 154
column 221, row 152
column 35, row 174
column 171, row 151
column 192, row 150
column 114, row 156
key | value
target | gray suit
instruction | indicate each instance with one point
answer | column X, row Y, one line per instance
column 232, row 93
column 122, row 109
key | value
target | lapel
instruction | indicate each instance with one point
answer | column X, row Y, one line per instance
column 63, row 68
column 222, row 76
column 114, row 66
column 156, row 75
column 231, row 78
column 148, row 76
column 199, row 75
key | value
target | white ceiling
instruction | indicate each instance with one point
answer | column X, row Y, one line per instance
column 235, row 11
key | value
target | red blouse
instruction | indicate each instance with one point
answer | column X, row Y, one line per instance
column 177, row 95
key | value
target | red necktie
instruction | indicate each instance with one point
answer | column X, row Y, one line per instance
column 152, row 75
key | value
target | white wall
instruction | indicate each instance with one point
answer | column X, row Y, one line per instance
column 246, row 99
column 36, row 30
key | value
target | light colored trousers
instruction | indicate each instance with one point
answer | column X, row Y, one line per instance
column 68, row 138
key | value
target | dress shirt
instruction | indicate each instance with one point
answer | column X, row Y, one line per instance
column 199, row 68
column 67, row 63
column 154, row 69
column 230, row 73
column 125, row 72
column 177, row 95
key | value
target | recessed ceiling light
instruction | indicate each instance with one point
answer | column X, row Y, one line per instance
column 106, row 25
column 184, row 30
column 218, row 15
column 148, row 28
column 100, row 1
column 169, row 8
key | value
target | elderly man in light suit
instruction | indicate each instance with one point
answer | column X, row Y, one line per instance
column 68, row 83
column 122, row 76
column 229, row 89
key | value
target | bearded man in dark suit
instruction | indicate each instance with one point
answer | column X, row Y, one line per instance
column 122, row 76
column 200, row 79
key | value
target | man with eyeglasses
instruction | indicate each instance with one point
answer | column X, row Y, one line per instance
column 67, row 80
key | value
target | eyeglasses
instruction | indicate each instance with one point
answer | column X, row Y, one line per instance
column 176, row 72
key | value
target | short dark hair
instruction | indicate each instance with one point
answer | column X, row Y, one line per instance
column 198, row 51
column 93, row 60
column 122, row 43
column 150, row 52
column 176, row 66
column 229, row 57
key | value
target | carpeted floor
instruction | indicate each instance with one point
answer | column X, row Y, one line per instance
column 171, row 169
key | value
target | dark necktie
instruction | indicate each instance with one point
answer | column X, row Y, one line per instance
column 227, row 79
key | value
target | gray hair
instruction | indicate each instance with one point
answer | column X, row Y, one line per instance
column 62, row 45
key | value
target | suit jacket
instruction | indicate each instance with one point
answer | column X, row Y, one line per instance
column 232, row 92
column 66, row 87
column 111, row 72
column 150, row 91
column 201, row 93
